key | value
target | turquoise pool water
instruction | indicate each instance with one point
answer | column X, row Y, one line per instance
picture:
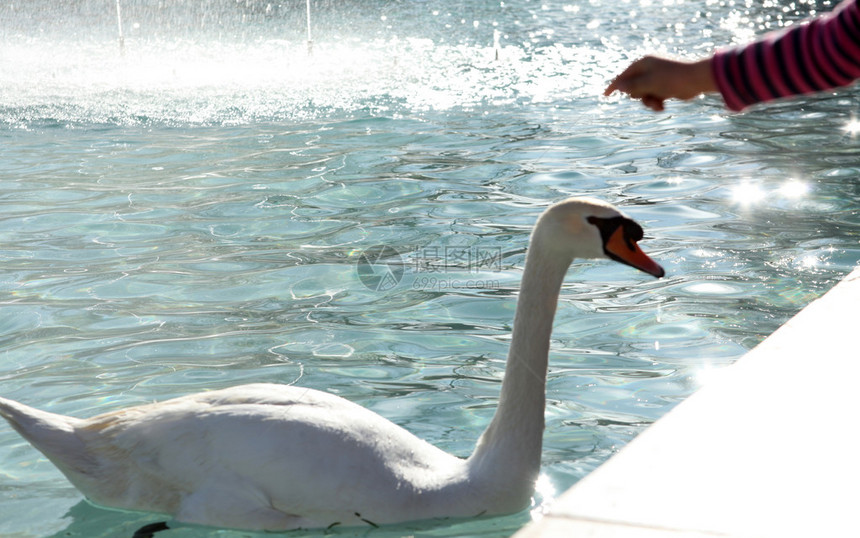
column 191, row 215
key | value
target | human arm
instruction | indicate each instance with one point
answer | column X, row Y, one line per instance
column 804, row 59
column 808, row 58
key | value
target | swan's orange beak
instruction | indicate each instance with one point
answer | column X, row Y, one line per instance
column 625, row 250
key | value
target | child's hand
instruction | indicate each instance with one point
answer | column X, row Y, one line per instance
column 653, row 80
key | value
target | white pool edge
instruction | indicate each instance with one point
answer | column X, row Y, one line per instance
column 767, row 449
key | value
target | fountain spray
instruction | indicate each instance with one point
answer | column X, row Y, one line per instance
column 119, row 27
column 310, row 41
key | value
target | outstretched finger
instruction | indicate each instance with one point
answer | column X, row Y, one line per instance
column 622, row 81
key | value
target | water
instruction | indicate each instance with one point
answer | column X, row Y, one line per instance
column 190, row 215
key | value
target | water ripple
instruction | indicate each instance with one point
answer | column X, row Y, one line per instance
column 189, row 218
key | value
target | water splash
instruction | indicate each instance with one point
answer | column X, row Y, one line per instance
column 119, row 28
column 310, row 39
column 222, row 83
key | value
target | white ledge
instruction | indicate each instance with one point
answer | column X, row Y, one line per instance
column 767, row 449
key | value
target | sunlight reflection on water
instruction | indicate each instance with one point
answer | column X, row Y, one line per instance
column 190, row 216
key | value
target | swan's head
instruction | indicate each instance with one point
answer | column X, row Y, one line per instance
column 588, row 228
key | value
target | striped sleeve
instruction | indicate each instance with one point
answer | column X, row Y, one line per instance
column 813, row 57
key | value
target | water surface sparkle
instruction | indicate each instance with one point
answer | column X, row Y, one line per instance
column 189, row 216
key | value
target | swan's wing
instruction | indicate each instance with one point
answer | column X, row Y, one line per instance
column 294, row 450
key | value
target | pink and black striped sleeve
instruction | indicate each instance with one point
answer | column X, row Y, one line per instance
column 818, row 56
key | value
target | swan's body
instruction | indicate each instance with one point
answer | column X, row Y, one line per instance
column 281, row 457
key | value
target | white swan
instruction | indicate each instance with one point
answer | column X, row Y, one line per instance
column 274, row 457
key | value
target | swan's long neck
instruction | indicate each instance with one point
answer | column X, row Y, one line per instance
column 511, row 445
